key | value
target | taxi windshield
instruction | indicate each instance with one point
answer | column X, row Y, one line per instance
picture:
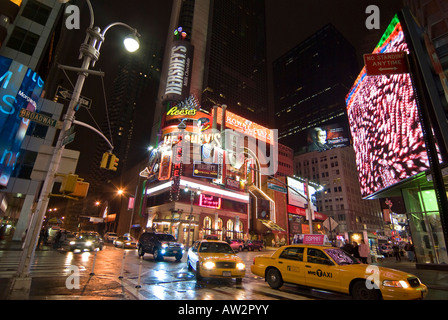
column 341, row 257
column 216, row 247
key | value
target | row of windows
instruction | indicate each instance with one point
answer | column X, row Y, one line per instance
column 23, row 40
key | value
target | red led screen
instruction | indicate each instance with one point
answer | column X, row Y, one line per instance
column 384, row 122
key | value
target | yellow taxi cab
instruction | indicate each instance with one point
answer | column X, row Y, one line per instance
column 332, row 269
column 215, row 259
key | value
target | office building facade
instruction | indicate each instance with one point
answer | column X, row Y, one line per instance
column 310, row 84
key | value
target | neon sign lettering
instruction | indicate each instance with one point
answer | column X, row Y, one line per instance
column 209, row 201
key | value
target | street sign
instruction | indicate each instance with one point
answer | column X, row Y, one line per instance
column 40, row 118
column 330, row 224
column 276, row 187
column 66, row 94
column 68, row 139
column 386, row 63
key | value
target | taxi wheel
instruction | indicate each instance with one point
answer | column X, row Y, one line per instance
column 274, row 278
column 361, row 292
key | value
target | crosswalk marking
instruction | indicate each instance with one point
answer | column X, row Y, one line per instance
column 45, row 265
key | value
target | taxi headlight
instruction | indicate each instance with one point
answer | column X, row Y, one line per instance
column 72, row 243
column 395, row 284
column 164, row 245
column 240, row 266
column 209, row 265
column 88, row 243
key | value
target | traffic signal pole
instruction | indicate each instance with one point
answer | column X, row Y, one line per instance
column 20, row 284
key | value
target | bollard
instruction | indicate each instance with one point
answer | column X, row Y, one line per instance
column 138, row 286
column 122, row 264
column 93, row 265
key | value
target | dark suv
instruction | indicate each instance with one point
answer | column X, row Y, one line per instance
column 160, row 245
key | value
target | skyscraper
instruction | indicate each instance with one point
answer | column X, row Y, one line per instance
column 310, row 83
column 228, row 65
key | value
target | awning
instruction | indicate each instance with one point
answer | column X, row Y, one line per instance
column 271, row 225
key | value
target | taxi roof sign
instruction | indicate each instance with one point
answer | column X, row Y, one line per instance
column 316, row 239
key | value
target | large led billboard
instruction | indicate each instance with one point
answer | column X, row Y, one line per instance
column 20, row 87
column 384, row 122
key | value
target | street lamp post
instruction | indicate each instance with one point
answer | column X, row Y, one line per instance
column 20, row 284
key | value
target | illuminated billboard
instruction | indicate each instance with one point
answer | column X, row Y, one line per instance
column 245, row 126
column 327, row 137
column 297, row 193
column 384, row 122
column 179, row 70
column 20, row 87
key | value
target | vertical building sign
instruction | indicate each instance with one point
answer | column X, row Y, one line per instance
column 20, row 87
column 177, row 170
column 179, row 72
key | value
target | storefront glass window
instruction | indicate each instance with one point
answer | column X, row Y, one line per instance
column 207, row 225
column 426, row 228
column 229, row 233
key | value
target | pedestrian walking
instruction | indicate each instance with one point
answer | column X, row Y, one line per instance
column 396, row 250
column 364, row 251
column 410, row 251
column 348, row 247
column 356, row 250
column 56, row 240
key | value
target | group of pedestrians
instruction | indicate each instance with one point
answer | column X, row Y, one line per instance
column 57, row 240
column 361, row 251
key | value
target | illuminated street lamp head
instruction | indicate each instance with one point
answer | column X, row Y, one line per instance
column 131, row 42
column 120, row 191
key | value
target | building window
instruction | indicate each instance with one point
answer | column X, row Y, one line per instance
column 229, row 226
column 36, row 11
column 23, row 40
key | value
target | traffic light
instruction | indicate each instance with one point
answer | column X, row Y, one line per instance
column 113, row 164
column 69, row 183
column 105, row 160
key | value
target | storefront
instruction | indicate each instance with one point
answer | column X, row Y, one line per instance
column 200, row 210
column 299, row 225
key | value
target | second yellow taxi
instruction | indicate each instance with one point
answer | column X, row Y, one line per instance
column 332, row 269
column 215, row 259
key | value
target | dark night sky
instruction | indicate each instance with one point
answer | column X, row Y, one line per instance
column 288, row 22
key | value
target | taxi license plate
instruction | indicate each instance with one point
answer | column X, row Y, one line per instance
column 226, row 274
column 175, row 251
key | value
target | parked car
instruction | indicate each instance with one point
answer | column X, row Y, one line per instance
column 160, row 245
column 87, row 241
column 110, row 237
column 215, row 259
column 236, row 244
column 252, row 245
column 126, row 242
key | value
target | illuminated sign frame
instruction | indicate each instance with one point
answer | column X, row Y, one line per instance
column 209, row 201
column 384, row 122
column 245, row 126
column 20, row 88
